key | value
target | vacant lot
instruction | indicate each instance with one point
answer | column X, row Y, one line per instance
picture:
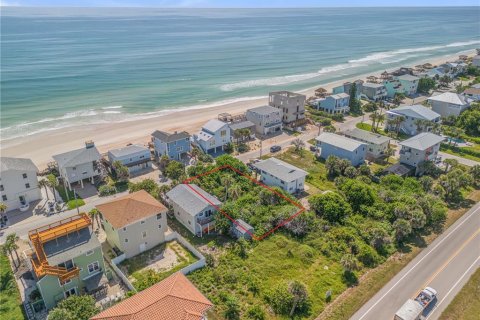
column 10, row 304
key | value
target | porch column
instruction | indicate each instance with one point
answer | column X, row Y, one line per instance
column 81, row 183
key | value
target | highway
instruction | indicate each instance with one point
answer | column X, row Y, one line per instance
column 445, row 265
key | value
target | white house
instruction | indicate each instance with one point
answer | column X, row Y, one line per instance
column 213, row 137
column 331, row 144
column 18, row 183
column 135, row 157
column 448, row 103
column 420, row 148
column 275, row 172
column 194, row 208
column 77, row 165
column 267, row 119
column 134, row 223
column 377, row 144
column 412, row 118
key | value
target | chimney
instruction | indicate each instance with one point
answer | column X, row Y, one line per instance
column 89, row 144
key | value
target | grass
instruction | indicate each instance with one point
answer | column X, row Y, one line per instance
column 10, row 303
column 466, row 304
column 464, row 152
column 368, row 127
column 72, row 203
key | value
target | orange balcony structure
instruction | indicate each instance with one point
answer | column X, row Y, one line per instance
column 40, row 236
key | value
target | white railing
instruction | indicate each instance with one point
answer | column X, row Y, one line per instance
column 119, row 272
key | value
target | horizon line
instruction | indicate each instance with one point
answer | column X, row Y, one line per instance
column 193, row 7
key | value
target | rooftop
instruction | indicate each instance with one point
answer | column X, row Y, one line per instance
column 280, row 169
column 170, row 137
column 422, row 141
column 367, row 136
column 373, row 85
column 264, row 110
column 192, row 201
column 213, row 125
column 449, row 97
column 241, row 125
column 416, row 111
column 128, row 150
column 408, row 77
column 241, row 226
column 473, row 91
column 130, row 208
column 20, row 164
column 286, row 93
column 174, row 298
column 77, row 157
column 339, row 141
column 341, row 95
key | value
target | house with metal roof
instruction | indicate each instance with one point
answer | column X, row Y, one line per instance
column 267, row 119
column 331, row 144
column 135, row 157
column 374, row 91
column 19, row 183
column 448, row 103
column 66, row 259
column 174, row 298
column 416, row 118
column 275, row 172
column 420, row 148
column 78, row 165
column 377, row 144
column 194, row 208
column 335, row 103
column 174, row 145
column 213, row 137
column 134, row 223
column 472, row 93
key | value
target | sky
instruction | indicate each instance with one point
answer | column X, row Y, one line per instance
column 237, row 3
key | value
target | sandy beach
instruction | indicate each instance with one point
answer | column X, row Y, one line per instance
column 42, row 146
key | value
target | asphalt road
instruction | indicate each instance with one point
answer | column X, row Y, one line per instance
column 445, row 265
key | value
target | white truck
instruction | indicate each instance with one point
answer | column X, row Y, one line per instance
column 413, row 308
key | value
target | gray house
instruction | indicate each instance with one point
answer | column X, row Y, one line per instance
column 174, row 145
column 377, row 143
column 332, row 144
column 77, row 165
column 241, row 229
column 420, row 148
column 267, row 119
column 19, row 182
column 194, row 208
column 275, row 172
column 448, row 104
column 374, row 91
column 292, row 105
column 417, row 118
column 135, row 157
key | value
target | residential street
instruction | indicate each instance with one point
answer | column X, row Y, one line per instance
column 445, row 265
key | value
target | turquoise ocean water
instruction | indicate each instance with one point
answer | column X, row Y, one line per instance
column 63, row 67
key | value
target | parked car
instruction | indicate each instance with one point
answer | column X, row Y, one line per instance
column 275, row 148
column 313, row 148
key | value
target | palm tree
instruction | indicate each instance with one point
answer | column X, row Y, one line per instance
column 162, row 191
column 44, row 183
column 3, row 208
column 6, row 248
column 11, row 244
column 420, row 123
column 373, row 117
column 299, row 292
column 450, row 163
column 380, row 120
column 235, row 191
column 95, row 215
column 53, row 184
column 299, row 144
column 226, row 181
column 349, row 262
column 398, row 123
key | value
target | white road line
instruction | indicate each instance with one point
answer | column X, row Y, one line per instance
column 456, row 284
column 416, row 264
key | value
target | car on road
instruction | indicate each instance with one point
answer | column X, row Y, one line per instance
column 413, row 308
column 275, row 148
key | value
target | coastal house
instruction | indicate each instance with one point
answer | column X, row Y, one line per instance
column 194, row 208
column 420, row 148
column 241, row 229
column 377, row 144
column 472, row 93
column 453, row 69
column 335, row 103
column 374, row 91
column 416, row 118
column 448, row 103
column 409, row 84
column 331, row 144
column 476, row 61
column 134, row 223
column 66, row 259
column 175, row 145
column 275, row 172
column 237, row 129
column 78, row 165
column 135, row 157
column 213, row 137
column 346, row 87
column 268, row 120
column 292, row 106
column 18, row 183
column 173, row 298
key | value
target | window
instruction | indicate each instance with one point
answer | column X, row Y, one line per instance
column 4, row 198
column 89, row 252
column 92, row 267
column 27, row 185
column 74, row 168
column 144, row 234
column 223, row 133
column 24, row 176
column 2, row 188
column 142, row 222
column 124, row 228
column 70, row 292
column 159, row 226
column 189, row 222
column 179, row 148
column 159, row 216
column 126, row 240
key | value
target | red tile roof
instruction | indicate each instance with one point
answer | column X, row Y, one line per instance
column 174, row 298
column 131, row 208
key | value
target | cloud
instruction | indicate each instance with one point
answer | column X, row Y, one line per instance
column 4, row 3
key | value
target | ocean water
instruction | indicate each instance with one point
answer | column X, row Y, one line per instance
column 63, row 67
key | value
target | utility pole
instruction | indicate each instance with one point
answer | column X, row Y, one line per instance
column 76, row 202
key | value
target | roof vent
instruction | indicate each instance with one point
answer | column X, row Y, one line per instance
column 89, row 144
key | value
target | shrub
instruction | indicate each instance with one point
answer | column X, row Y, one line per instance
column 243, row 147
column 256, row 313
column 106, row 190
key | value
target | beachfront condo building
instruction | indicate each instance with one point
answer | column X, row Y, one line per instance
column 292, row 106
column 66, row 259
column 331, row 144
column 415, row 119
column 18, row 183
column 267, row 119
column 135, row 157
column 175, row 145
column 213, row 137
column 420, row 148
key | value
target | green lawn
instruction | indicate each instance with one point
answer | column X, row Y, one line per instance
column 10, row 304
column 368, row 127
column 71, row 203
column 472, row 153
column 466, row 305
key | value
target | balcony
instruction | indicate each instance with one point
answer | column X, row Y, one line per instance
column 203, row 221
